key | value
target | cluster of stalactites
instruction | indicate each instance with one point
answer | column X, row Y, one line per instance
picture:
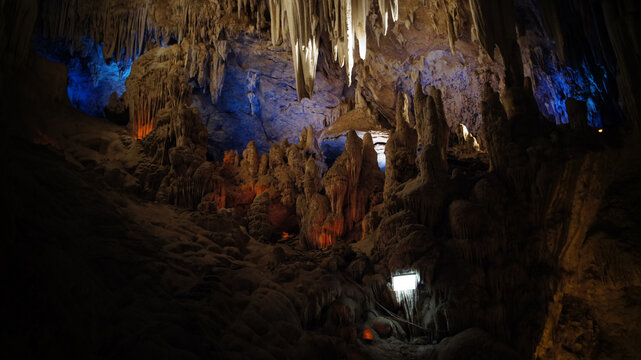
column 126, row 32
column 388, row 7
column 160, row 79
column 344, row 20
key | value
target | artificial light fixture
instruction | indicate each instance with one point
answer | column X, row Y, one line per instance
column 405, row 282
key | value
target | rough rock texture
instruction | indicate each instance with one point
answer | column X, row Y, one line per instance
column 448, row 44
column 401, row 148
column 126, row 246
column 160, row 79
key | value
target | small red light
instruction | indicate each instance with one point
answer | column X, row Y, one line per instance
column 368, row 334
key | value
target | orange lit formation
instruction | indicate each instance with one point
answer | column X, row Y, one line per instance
column 325, row 241
column 320, row 209
column 144, row 119
column 368, row 334
column 333, row 228
column 159, row 80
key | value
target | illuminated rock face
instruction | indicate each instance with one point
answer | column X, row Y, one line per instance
column 91, row 80
column 450, row 46
column 160, row 79
column 345, row 21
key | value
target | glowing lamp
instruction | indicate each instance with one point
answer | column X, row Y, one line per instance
column 368, row 335
column 405, row 282
column 600, row 130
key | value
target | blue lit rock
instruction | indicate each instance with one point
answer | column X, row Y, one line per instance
column 91, row 80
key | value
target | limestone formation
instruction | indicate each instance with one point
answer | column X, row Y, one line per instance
column 430, row 122
column 496, row 128
column 258, row 216
column 160, row 79
column 345, row 21
column 401, row 148
column 372, row 180
column 251, row 162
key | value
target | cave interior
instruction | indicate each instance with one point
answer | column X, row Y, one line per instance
column 321, row 179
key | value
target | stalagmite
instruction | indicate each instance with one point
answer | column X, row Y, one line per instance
column 264, row 164
column 336, row 183
column 250, row 162
column 430, row 118
column 311, row 148
column 354, row 149
column 258, row 215
column 371, row 181
column 312, row 179
column 496, row 129
column 400, row 151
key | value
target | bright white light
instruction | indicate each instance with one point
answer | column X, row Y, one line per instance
column 404, row 282
column 380, row 140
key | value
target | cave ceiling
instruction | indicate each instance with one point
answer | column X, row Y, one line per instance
column 247, row 56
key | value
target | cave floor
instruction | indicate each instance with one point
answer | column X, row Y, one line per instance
column 98, row 272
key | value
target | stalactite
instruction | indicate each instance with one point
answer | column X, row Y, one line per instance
column 344, row 20
column 128, row 32
column 161, row 79
column 275, row 11
column 387, row 8
column 451, row 33
column 303, row 30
